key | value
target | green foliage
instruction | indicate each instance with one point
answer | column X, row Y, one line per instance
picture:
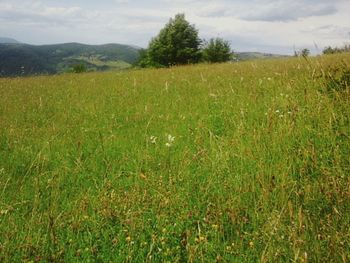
column 241, row 162
column 305, row 52
column 177, row 43
column 217, row 50
column 329, row 50
column 302, row 53
column 79, row 68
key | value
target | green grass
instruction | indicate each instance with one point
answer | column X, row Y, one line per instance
column 258, row 170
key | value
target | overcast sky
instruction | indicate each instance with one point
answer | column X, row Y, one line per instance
column 276, row 26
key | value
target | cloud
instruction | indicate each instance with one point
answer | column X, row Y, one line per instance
column 35, row 13
column 266, row 25
column 289, row 10
column 328, row 31
column 268, row 10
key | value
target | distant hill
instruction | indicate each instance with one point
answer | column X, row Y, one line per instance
column 23, row 59
column 242, row 56
column 6, row 40
column 18, row 59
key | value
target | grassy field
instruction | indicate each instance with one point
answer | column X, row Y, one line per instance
column 242, row 162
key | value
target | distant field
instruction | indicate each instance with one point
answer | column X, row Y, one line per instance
column 241, row 162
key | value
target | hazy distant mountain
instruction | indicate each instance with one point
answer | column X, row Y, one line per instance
column 22, row 59
column 6, row 40
column 242, row 56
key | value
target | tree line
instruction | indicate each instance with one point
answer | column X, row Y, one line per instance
column 335, row 50
column 178, row 43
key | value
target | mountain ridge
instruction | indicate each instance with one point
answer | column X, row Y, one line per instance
column 26, row 59
column 8, row 40
column 21, row 59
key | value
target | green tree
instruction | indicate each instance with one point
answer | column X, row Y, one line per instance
column 329, row 50
column 177, row 43
column 143, row 60
column 217, row 50
column 305, row 52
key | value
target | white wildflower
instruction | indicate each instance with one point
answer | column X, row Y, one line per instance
column 153, row 139
column 170, row 141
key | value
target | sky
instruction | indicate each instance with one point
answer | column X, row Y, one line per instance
column 271, row 26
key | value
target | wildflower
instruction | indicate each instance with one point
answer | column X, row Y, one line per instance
column 277, row 111
column 153, row 139
column 170, row 141
column 4, row 212
column 200, row 239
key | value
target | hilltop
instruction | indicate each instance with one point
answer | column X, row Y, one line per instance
column 7, row 40
column 23, row 59
column 243, row 56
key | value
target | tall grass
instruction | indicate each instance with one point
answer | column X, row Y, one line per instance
column 228, row 163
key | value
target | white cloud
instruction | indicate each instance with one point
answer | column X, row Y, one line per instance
column 266, row 25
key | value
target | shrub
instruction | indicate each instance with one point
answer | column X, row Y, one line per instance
column 217, row 50
column 79, row 68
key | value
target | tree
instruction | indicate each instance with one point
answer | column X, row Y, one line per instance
column 217, row 50
column 329, row 50
column 305, row 52
column 177, row 43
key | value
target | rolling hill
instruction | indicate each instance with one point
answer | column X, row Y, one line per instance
column 7, row 40
column 19, row 59
column 243, row 56
column 23, row 59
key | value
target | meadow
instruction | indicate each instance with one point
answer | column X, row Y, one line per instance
column 236, row 162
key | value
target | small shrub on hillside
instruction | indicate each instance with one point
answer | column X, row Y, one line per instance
column 79, row 68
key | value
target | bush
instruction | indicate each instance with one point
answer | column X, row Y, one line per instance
column 217, row 50
column 79, row 68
